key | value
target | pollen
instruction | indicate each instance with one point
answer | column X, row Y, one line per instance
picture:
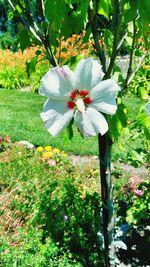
column 80, row 105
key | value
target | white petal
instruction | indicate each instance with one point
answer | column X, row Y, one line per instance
column 57, row 83
column 104, row 96
column 56, row 116
column 88, row 74
column 91, row 122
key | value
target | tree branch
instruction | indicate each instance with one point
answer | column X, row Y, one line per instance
column 29, row 22
column 137, row 69
column 94, row 23
column 117, row 22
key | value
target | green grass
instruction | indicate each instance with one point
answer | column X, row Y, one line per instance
column 20, row 118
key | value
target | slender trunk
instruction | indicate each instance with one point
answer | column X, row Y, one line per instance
column 105, row 144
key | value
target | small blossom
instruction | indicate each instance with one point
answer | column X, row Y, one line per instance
column 51, row 162
column 64, row 154
column 7, row 139
column 134, row 181
column 48, row 148
column 56, row 150
column 139, row 193
column 40, row 149
column 47, row 154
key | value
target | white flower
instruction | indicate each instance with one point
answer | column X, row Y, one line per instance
column 147, row 108
column 80, row 94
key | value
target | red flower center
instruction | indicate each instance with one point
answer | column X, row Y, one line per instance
column 83, row 94
column 71, row 104
column 73, row 94
column 87, row 100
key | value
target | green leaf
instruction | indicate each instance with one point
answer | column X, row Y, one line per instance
column 24, row 39
column 117, row 74
column 70, row 129
column 130, row 10
column 118, row 121
column 104, row 8
column 73, row 61
column 30, row 65
column 144, row 11
column 144, row 121
column 55, row 11
column 108, row 39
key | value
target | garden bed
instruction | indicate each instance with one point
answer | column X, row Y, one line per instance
column 50, row 209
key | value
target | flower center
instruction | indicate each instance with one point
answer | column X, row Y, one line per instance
column 79, row 99
column 80, row 105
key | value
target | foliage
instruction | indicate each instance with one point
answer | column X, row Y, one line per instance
column 132, row 200
column 50, row 214
column 104, row 28
column 13, row 70
column 56, row 218
column 109, row 24
column 7, row 41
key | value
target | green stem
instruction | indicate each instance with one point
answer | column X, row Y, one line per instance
column 105, row 144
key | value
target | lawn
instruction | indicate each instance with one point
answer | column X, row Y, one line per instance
column 20, row 119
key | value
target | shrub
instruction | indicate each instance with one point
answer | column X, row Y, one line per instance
column 13, row 69
column 132, row 199
column 46, row 215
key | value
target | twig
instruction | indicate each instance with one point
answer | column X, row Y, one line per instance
column 121, row 42
column 137, row 69
column 131, row 55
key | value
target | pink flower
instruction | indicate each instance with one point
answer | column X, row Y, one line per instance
column 51, row 162
column 7, row 139
column 1, row 138
column 134, row 182
column 138, row 192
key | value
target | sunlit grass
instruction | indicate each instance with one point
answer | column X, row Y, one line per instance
column 20, row 118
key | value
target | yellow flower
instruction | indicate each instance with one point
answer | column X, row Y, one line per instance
column 56, row 150
column 64, row 154
column 47, row 155
column 39, row 149
column 48, row 148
